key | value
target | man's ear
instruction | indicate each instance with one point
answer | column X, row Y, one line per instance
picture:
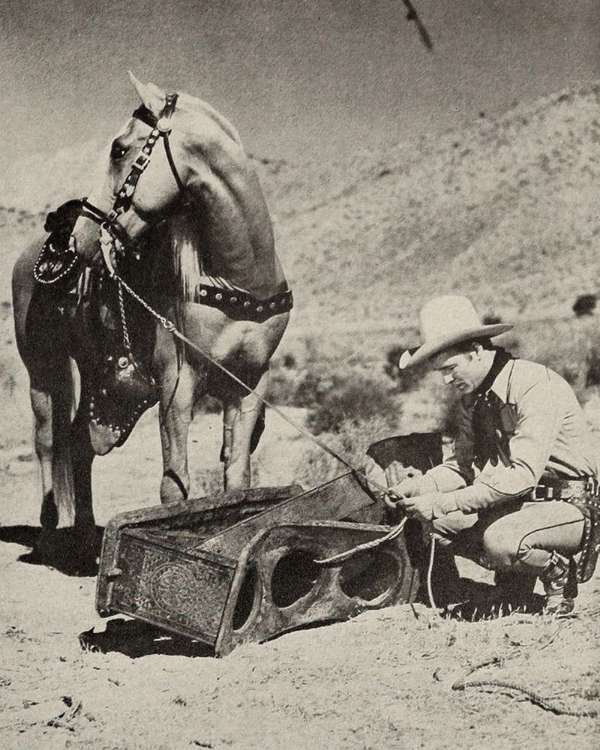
column 477, row 349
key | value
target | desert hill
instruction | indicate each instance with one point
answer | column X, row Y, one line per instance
column 505, row 210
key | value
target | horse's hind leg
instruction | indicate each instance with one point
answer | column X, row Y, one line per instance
column 51, row 402
column 41, row 404
column 82, row 457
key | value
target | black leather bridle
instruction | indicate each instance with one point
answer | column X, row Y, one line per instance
column 109, row 222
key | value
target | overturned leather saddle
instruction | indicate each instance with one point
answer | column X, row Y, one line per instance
column 117, row 377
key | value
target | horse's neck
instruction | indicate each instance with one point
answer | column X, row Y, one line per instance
column 200, row 259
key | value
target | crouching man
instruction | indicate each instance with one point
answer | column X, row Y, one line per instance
column 519, row 494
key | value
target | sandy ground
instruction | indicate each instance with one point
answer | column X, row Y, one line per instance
column 69, row 679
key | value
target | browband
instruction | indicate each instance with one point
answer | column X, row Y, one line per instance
column 145, row 115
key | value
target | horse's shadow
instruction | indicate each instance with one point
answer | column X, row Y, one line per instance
column 136, row 639
column 60, row 549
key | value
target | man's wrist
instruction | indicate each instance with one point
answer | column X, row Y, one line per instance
column 444, row 503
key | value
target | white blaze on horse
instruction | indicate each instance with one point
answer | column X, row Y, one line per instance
column 179, row 215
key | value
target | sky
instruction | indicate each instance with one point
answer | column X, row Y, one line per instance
column 300, row 79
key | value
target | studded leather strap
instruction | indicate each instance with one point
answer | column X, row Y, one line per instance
column 160, row 129
column 243, row 306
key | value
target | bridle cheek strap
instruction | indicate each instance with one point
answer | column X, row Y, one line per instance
column 161, row 127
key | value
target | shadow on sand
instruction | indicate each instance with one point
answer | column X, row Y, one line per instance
column 475, row 601
column 135, row 639
column 62, row 549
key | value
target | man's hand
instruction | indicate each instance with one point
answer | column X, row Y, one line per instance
column 421, row 507
column 413, row 487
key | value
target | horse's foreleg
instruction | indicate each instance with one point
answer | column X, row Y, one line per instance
column 176, row 412
column 242, row 423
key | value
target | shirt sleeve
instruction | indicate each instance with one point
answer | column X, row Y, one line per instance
column 539, row 418
column 457, row 470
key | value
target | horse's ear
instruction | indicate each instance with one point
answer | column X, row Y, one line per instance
column 151, row 96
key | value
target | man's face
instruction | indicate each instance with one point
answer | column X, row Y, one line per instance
column 464, row 371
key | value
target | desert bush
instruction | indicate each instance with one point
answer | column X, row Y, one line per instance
column 592, row 377
column 283, row 384
column 208, row 405
column 491, row 319
column 351, row 441
column 337, row 397
column 585, row 304
column 405, row 380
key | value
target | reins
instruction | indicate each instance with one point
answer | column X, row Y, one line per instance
column 171, row 327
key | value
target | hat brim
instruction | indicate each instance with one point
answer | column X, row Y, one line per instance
column 431, row 348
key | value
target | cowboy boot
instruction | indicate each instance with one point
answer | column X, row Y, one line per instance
column 560, row 585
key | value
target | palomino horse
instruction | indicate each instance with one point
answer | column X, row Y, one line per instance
column 179, row 214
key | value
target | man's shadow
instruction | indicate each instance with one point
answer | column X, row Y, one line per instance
column 478, row 601
column 459, row 597
column 62, row 549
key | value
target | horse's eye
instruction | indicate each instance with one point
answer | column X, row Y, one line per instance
column 117, row 151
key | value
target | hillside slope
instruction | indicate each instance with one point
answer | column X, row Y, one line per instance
column 505, row 210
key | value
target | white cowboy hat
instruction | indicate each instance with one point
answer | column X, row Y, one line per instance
column 446, row 321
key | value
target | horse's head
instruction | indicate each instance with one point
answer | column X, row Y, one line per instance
column 142, row 177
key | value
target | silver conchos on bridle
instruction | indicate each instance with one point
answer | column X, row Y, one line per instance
column 112, row 235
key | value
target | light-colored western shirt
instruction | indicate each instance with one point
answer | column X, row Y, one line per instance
column 547, row 436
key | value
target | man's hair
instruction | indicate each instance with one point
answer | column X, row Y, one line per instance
column 467, row 346
column 464, row 347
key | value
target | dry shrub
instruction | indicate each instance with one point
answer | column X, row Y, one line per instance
column 585, row 304
column 407, row 379
column 593, row 366
column 337, row 397
column 284, row 379
column 350, row 441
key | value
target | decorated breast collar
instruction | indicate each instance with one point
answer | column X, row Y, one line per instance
column 241, row 305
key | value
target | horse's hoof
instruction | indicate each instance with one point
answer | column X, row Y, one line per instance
column 49, row 512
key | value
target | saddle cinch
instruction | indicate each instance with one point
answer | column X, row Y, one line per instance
column 117, row 384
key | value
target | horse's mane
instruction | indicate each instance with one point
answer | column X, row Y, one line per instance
column 194, row 104
column 187, row 259
column 175, row 264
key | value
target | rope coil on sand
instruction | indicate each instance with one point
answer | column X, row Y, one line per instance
column 532, row 696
